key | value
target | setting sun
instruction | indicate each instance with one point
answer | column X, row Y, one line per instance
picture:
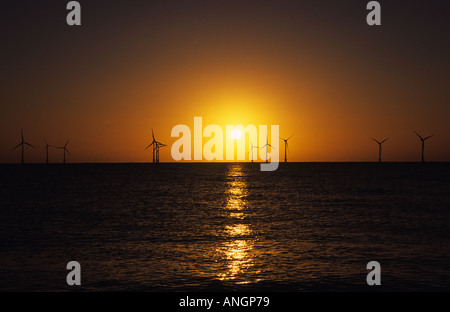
column 236, row 134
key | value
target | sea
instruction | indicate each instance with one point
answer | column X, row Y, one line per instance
column 175, row 227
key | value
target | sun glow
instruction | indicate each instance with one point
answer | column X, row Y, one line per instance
column 236, row 134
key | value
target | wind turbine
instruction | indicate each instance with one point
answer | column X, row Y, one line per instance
column 286, row 146
column 423, row 143
column 266, row 145
column 46, row 148
column 22, row 143
column 65, row 150
column 156, row 145
column 379, row 147
column 251, row 149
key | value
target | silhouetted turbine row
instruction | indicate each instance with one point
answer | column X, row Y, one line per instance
column 156, row 145
column 23, row 143
column 420, row 137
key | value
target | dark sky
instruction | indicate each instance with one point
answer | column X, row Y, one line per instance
column 313, row 67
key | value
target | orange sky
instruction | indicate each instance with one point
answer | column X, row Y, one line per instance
column 314, row 68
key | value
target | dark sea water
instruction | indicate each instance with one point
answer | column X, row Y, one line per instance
column 225, row 227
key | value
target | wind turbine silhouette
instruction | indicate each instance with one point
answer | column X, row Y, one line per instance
column 156, row 145
column 251, row 149
column 46, row 148
column 286, row 146
column 423, row 143
column 65, row 150
column 266, row 145
column 22, row 143
column 379, row 147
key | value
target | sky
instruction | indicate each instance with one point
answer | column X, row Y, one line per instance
column 315, row 68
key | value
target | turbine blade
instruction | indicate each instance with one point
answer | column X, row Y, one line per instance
column 16, row 146
column 291, row 136
column 428, row 137
column 29, row 144
column 153, row 135
column 67, row 151
column 418, row 135
column 376, row 141
column 66, row 143
column 21, row 133
column 150, row 145
column 384, row 140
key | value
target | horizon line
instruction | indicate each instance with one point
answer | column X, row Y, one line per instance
column 218, row 162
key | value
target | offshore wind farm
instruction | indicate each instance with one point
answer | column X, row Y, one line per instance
column 225, row 146
column 156, row 145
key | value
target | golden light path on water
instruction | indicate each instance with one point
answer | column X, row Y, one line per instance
column 237, row 250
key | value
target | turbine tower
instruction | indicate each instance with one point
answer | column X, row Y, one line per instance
column 286, row 147
column 379, row 147
column 423, row 143
column 46, row 148
column 251, row 149
column 156, row 145
column 65, row 150
column 22, row 143
column 267, row 145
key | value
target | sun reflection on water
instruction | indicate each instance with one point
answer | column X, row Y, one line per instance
column 237, row 230
column 238, row 249
column 237, row 215
column 238, row 261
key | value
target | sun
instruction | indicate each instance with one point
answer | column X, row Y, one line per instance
column 236, row 134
